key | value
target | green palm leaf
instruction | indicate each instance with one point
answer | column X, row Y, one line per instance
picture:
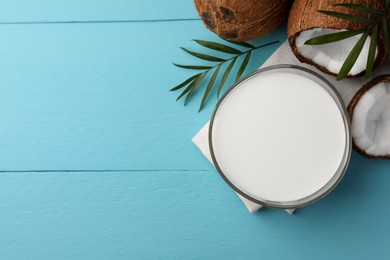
column 191, row 86
column 226, row 75
column 209, row 86
column 348, row 17
column 244, row 44
column 267, row 44
column 333, row 37
column 352, row 57
column 192, row 67
column 203, row 56
column 243, row 65
column 185, row 91
column 195, row 85
column 361, row 8
column 372, row 52
column 375, row 25
column 218, row 47
column 185, row 83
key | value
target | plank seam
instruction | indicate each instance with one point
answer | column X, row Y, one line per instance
column 86, row 171
column 102, row 21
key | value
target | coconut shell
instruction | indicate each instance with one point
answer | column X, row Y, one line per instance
column 242, row 20
column 304, row 16
column 353, row 103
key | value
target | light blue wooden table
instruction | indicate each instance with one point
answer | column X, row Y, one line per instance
column 96, row 160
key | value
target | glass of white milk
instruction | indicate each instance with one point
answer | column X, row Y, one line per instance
column 281, row 137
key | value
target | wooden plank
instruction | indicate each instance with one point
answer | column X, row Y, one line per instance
column 186, row 215
column 94, row 10
column 95, row 96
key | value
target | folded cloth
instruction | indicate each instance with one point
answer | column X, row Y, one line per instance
column 283, row 55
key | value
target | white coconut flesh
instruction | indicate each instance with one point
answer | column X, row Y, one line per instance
column 332, row 55
column 371, row 121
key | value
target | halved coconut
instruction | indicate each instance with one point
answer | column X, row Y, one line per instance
column 242, row 20
column 305, row 23
column 369, row 111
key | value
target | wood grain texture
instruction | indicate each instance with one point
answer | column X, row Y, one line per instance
column 96, row 159
column 95, row 96
column 30, row 11
column 186, row 215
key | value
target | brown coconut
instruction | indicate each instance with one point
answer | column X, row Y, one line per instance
column 304, row 19
column 369, row 111
column 242, row 20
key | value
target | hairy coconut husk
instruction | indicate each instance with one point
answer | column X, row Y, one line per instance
column 351, row 109
column 242, row 20
column 304, row 16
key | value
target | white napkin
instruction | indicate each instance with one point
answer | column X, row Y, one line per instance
column 283, row 55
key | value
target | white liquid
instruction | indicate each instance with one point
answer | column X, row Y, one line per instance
column 279, row 137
